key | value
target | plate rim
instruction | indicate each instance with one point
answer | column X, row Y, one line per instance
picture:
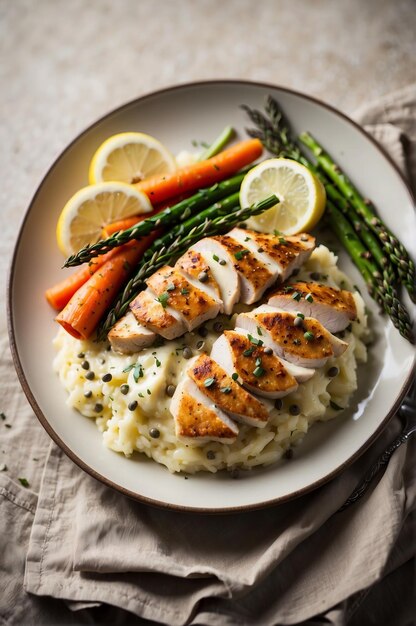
column 13, row 343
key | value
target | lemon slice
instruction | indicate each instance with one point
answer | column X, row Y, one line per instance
column 91, row 208
column 130, row 158
column 302, row 196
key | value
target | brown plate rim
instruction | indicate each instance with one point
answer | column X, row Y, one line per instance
column 19, row 368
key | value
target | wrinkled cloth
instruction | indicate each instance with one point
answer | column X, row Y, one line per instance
column 90, row 555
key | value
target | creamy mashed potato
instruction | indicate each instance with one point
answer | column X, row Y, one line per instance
column 134, row 401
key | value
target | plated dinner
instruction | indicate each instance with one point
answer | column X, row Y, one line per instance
column 208, row 319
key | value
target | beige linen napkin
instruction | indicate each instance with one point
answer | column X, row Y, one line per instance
column 282, row 565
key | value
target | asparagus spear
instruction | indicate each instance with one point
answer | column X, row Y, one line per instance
column 218, row 144
column 276, row 137
column 184, row 236
column 177, row 213
column 397, row 253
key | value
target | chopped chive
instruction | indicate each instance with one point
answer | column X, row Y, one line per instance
column 163, row 299
column 216, row 257
column 234, row 376
column 282, row 240
column 309, row 336
column 158, row 363
column 297, row 342
column 24, row 482
column 128, row 368
column 301, row 315
column 208, row 382
column 240, row 254
column 257, row 342
column 248, row 352
column 335, row 406
column 258, row 362
column 2, row 415
column 247, row 239
column 309, row 297
column 288, row 289
column 296, row 296
column 259, row 331
column 170, row 287
column 184, row 291
column 277, row 232
column 259, row 371
column 225, row 390
column 149, row 393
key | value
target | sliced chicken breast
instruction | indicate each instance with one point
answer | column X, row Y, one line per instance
column 227, row 394
column 334, row 308
column 128, row 336
column 307, row 345
column 197, row 419
column 222, row 268
column 198, row 272
column 194, row 305
column 157, row 316
column 258, row 371
column 283, row 254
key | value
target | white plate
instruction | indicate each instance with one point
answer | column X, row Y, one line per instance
column 177, row 116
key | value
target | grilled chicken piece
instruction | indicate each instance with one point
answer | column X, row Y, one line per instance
column 260, row 372
column 290, row 341
column 227, row 394
column 193, row 267
column 191, row 303
column 223, row 271
column 158, row 318
column 281, row 254
column 334, row 308
column 197, row 419
column 128, row 336
column 255, row 276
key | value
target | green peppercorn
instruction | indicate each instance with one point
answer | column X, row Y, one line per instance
column 124, row 389
column 332, row 372
column 90, row 375
column 294, row 409
column 154, row 433
column 187, row 353
column 106, row 378
column 81, row 355
column 170, row 390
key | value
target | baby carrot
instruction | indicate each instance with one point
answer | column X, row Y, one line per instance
column 202, row 173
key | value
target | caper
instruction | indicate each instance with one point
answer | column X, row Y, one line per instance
column 289, row 453
column 170, row 390
column 81, row 355
column 202, row 332
column 296, row 271
column 278, row 404
column 315, row 275
column 268, row 351
column 304, row 238
column 124, row 389
column 211, row 455
column 106, row 378
column 218, row 327
column 260, row 249
column 294, row 409
column 85, row 365
column 154, row 433
column 202, row 277
column 298, row 322
column 332, row 372
column 88, row 394
column 187, row 353
column 98, row 407
column 133, row 405
column 222, row 262
column 200, row 344
column 90, row 375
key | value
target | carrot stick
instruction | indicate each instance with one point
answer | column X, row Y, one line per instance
column 87, row 306
column 202, row 173
column 124, row 224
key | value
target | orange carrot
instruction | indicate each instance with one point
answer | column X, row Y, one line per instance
column 87, row 306
column 202, row 173
column 124, row 224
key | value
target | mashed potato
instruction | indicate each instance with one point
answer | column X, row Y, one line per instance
column 132, row 399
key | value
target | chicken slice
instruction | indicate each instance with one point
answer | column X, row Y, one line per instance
column 193, row 266
column 334, row 308
column 307, row 345
column 222, row 268
column 128, row 336
column 197, row 419
column 227, row 394
column 157, row 316
column 260, row 372
column 191, row 303
column 282, row 254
